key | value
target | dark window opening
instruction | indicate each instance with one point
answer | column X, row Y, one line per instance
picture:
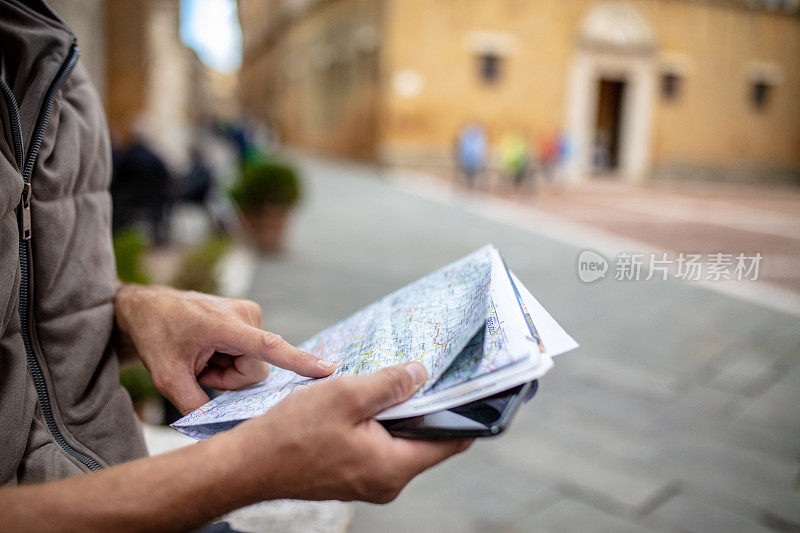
column 670, row 86
column 490, row 67
column 760, row 92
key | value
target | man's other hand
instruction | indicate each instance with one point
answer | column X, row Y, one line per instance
column 322, row 442
column 188, row 339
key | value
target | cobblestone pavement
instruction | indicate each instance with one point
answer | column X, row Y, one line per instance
column 678, row 413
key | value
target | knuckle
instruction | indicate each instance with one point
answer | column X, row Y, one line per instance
column 158, row 383
column 216, row 315
column 305, row 359
column 240, row 307
column 253, row 306
column 256, row 313
column 163, row 380
column 270, row 341
column 248, row 308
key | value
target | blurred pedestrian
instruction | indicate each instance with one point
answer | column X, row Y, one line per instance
column 549, row 155
column 240, row 134
column 197, row 188
column 515, row 158
column 141, row 190
column 471, row 149
column 196, row 185
column 565, row 149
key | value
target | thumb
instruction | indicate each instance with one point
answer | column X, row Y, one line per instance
column 388, row 387
column 271, row 348
column 183, row 391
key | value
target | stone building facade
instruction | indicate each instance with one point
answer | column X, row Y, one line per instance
column 150, row 82
column 634, row 88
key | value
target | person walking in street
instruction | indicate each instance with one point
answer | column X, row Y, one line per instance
column 515, row 159
column 471, row 147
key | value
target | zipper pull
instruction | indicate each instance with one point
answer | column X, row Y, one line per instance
column 25, row 212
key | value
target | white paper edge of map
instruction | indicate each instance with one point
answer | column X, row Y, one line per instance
column 472, row 390
column 555, row 340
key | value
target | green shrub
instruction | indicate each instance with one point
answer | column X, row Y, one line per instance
column 136, row 379
column 129, row 246
column 198, row 266
column 266, row 183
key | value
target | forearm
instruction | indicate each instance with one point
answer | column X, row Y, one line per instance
column 177, row 491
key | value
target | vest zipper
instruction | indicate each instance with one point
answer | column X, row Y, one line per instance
column 25, row 164
column 16, row 127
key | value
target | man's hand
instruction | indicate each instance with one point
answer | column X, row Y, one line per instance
column 322, row 443
column 188, row 339
column 319, row 443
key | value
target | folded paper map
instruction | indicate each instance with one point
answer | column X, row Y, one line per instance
column 474, row 326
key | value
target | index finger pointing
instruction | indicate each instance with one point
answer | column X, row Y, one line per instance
column 269, row 347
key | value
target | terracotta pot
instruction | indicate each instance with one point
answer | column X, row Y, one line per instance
column 266, row 227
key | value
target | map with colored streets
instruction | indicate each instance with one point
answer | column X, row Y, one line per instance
column 430, row 321
column 462, row 322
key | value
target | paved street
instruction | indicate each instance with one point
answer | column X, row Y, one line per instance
column 679, row 216
column 678, row 413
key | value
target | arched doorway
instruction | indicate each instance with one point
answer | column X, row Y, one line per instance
column 610, row 95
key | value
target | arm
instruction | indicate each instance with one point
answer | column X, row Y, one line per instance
column 175, row 491
column 319, row 443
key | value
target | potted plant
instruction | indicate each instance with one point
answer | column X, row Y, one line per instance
column 199, row 266
column 265, row 193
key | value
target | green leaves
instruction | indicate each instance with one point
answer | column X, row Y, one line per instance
column 266, row 183
column 129, row 246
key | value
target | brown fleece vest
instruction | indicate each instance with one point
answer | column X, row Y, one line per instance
column 62, row 410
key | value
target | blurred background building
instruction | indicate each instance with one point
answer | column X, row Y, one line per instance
column 152, row 84
column 631, row 90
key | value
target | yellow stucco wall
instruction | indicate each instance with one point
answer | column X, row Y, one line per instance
column 316, row 80
column 429, row 37
column 712, row 123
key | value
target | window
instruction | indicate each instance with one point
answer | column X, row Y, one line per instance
column 763, row 78
column 490, row 68
column 670, row 86
column 760, row 92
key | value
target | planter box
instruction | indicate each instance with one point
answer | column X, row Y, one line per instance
column 265, row 228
